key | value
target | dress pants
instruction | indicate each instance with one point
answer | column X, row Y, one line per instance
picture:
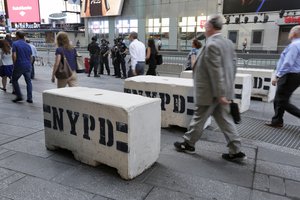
column 221, row 113
column 286, row 85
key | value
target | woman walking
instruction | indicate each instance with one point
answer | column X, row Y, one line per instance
column 151, row 53
column 6, row 68
column 65, row 49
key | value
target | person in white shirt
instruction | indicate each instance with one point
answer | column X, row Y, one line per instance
column 137, row 52
column 34, row 55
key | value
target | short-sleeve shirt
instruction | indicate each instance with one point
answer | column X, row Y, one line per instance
column 70, row 56
column 23, row 51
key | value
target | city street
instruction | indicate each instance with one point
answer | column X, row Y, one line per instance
column 28, row 171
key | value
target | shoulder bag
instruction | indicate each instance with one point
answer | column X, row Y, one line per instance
column 63, row 70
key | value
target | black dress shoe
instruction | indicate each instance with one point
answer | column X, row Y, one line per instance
column 17, row 99
column 279, row 125
column 29, row 101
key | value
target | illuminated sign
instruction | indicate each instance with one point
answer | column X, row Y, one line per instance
column 292, row 20
column 252, row 6
column 92, row 8
column 23, row 10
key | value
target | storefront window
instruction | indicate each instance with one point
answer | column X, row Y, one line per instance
column 189, row 29
column 158, row 29
column 125, row 26
column 99, row 29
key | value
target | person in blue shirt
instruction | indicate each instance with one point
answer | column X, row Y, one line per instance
column 191, row 58
column 287, row 79
column 21, row 55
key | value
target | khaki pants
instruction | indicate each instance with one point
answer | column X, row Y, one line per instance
column 71, row 82
column 221, row 113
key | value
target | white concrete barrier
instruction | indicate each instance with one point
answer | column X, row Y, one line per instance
column 243, row 86
column 100, row 126
column 262, row 87
column 176, row 94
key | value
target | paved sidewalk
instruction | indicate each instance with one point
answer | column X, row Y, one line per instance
column 30, row 172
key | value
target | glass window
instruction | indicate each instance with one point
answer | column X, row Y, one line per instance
column 233, row 36
column 158, row 29
column 189, row 29
column 125, row 26
column 99, row 29
column 257, row 36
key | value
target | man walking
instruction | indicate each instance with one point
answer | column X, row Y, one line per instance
column 137, row 52
column 214, row 74
column 34, row 55
column 21, row 55
column 94, row 50
column 287, row 79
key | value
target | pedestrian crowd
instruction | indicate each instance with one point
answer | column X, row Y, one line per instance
column 214, row 70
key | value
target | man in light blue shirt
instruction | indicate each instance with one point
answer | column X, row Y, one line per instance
column 33, row 57
column 287, row 79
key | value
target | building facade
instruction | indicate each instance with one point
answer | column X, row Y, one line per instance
column 175, row 22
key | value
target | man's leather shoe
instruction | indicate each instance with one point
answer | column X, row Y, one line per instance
column 17, row 99
column 280, row 125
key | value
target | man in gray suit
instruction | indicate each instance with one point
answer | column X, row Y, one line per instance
column 214, row 74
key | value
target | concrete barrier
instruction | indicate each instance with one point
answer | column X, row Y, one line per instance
column 176, row 94
column 100, row 126
column 262, row 87
column 243, row 86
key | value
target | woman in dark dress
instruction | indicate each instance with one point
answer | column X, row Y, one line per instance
column 151, row 52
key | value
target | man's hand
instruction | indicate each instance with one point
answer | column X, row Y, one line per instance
column 274, row 81
column 224, row 101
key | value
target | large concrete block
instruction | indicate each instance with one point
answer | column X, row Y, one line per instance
column 243, row 86
column 176, row 94
column 262, row 87
column 100, row 126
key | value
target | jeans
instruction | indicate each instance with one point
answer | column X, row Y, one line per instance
column 17, row 73
column 139, row 69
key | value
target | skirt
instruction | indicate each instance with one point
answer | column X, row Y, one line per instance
column 6, row 70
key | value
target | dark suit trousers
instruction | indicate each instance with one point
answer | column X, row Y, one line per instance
column 286, row 85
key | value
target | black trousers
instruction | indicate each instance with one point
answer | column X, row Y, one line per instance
column 94, row 65
column 104, row 62
column 286, row 86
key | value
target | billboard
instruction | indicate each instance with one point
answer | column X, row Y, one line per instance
column 23, row 10
column 252, row 6
column 91, row 8
column 60, row 11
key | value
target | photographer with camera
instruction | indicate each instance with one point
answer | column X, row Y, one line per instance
column 119, row 52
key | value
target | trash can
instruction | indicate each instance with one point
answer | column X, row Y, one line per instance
column 87, row 65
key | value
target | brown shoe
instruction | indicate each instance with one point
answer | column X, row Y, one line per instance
column 279, row 125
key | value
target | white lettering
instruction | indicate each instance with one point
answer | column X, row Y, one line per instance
column 21, row 8
column 95, row 1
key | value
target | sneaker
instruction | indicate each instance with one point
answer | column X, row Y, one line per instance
column 184, row 147
column 238, row 157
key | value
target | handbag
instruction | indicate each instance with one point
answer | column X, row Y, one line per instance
column 63, row 70
column 235, row 112
column 159, row 59
column 80, row 68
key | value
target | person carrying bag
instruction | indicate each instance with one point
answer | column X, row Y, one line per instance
column 64, row 69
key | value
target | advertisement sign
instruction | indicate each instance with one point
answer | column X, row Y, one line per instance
column 59, row 11
column 91, row 8
column 252, row 6
column 23, row 10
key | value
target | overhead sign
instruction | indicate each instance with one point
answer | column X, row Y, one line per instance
column 252, row 6
column 91, row 8
column 292, row 20
column 23, row 10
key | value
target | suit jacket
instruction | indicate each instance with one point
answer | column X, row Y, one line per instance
column 214, row 71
